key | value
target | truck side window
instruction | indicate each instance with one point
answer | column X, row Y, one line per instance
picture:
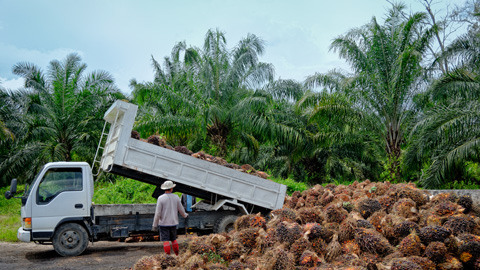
column 58, row 180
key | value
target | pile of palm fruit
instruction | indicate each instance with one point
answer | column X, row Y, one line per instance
column 159, row 141
column 367, row 225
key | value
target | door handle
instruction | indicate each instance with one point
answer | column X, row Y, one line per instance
column 78, row 205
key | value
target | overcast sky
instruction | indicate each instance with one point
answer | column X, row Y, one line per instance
column 120, row 36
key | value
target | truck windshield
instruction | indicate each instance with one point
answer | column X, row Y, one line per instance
column 58, row 180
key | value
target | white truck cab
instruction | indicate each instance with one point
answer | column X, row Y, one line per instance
column 61, row 193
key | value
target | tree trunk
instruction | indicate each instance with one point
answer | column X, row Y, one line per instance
column 394, row 151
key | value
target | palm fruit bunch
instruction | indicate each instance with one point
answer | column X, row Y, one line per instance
column 460, row 224
column 284, row 214
column 405, row 208
column 199, row 245
column 365, row 225
column 450, row 263
column 145, row 263
column 469, row 249
column 298, row 247
column 250, row 221
column 135, row 135
column 411, row 245
column 195, row 261
column 466, row 202
column 350, row 247
column 277, row 259
column 231, row 250
column 436, row 252
column 308, row 215
column 309, row 259
column 335, row 213
column 434, row 234
column 248, row 237
column 367, row 207
column 404, row 264
column 183, row 150
column 423, row 262
column 372, row 241
column 386, row 202
column 346, row 230
column 333, row 250
column 288, row 233
column 163, row 261
column 236, row 265
column 405, row 228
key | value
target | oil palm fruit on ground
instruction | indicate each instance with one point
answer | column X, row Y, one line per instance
column 386, row 226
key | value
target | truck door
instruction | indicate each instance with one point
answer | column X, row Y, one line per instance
column 61, row 194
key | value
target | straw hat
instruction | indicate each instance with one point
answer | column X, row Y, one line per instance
column 167, row 185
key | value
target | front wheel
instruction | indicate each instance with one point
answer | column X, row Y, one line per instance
column 225, row 224
column 70, row 239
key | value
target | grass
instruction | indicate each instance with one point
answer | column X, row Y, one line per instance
column 10, row 219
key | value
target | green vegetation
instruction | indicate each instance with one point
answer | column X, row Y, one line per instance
column 10, row 219
column 291, row 184
column 123, row 191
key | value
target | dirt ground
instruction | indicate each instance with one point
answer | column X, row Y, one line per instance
column 100, row 255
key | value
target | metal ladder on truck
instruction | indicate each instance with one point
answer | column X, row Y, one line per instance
column 107, row 143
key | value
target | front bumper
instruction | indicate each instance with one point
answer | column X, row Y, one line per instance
column 23, row 235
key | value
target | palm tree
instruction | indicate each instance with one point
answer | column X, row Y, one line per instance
column 386, row 63
column 62, row 113
column 342, row 147
column 448, row 135
column 172, row 104
column 194, row 98
column 5, row 114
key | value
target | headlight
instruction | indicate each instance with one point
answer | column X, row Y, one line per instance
column 27, row 223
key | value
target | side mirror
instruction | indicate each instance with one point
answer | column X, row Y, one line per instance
column 13, row 189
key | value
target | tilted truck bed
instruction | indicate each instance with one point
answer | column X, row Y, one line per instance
column 154, row 164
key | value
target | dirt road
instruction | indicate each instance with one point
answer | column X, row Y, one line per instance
column 100, row 255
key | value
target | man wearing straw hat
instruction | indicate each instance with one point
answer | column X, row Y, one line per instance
column 166, row 217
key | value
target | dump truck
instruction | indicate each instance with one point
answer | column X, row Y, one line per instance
column 57, row 205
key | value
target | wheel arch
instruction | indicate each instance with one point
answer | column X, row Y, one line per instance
column 79, row 220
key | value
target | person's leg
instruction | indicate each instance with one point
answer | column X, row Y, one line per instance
column 165, row 237
column 175, row 247
column 166, row 247
column 173, row 238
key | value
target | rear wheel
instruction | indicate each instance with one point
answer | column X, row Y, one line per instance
column 225, row 224
column 70, row 239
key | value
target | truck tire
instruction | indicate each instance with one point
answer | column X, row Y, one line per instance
column 70, row 239
column 225, row 224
